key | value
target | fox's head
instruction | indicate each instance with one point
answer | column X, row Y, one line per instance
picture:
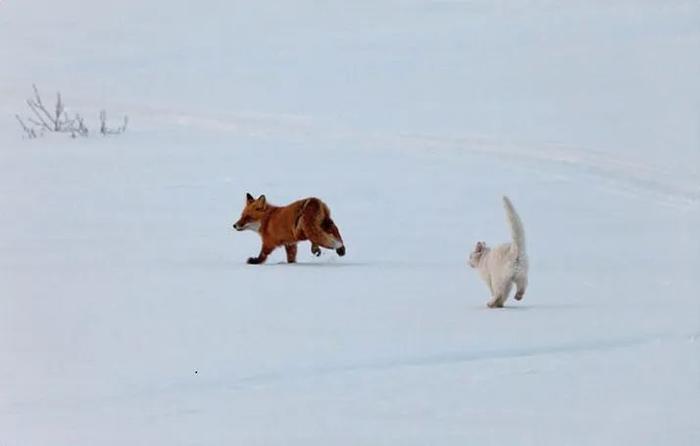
column 475, row 257
column 252, row 214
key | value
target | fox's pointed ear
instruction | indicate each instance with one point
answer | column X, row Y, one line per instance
column 249, row 198
column 262, row 200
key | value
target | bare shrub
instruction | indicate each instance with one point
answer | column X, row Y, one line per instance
column 57, row 120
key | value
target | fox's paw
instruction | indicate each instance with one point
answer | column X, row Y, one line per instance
column 519, row 296
column 341, row 251
column 315, row 250
column 253, row 261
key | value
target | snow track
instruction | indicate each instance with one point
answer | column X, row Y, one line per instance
column 453, row 358
column 623, row 174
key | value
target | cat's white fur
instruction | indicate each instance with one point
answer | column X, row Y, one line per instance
column 504, row 265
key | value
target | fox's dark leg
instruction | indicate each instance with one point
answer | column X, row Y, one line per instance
column 291, row 252
column 315, row 250
column 264, row 252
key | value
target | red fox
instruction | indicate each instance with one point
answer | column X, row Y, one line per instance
column 307, row 219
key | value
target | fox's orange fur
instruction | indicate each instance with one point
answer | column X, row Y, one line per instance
column 307, row 219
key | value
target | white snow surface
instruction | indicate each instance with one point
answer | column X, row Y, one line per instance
column 129, row 317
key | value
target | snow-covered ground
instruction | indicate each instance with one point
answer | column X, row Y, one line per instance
column 129, row 317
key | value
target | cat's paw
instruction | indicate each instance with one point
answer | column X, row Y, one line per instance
column 494, row 304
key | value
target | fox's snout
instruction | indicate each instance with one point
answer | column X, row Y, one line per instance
column 241, row 224
column 246, row 224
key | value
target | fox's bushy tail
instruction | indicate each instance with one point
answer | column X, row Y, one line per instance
column 516, row 227
column 318, row 225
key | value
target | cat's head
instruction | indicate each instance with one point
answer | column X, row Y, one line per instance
column 475, row 256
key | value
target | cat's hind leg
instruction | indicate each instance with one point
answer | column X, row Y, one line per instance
column 500, row 291
column 520, row 286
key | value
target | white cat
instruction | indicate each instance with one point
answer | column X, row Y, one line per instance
column 504, row 265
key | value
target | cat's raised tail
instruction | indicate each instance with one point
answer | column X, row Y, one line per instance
column 516, row 227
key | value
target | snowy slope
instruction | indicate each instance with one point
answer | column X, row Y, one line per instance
column 120, row 275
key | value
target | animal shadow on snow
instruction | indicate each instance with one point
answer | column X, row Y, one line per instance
column 316, row 264
column 527, row 307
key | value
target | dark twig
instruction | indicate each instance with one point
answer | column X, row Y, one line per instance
column 105, row 130
column 31, row 133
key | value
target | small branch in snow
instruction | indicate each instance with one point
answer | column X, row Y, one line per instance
column 106, row 130
column 30, row 132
